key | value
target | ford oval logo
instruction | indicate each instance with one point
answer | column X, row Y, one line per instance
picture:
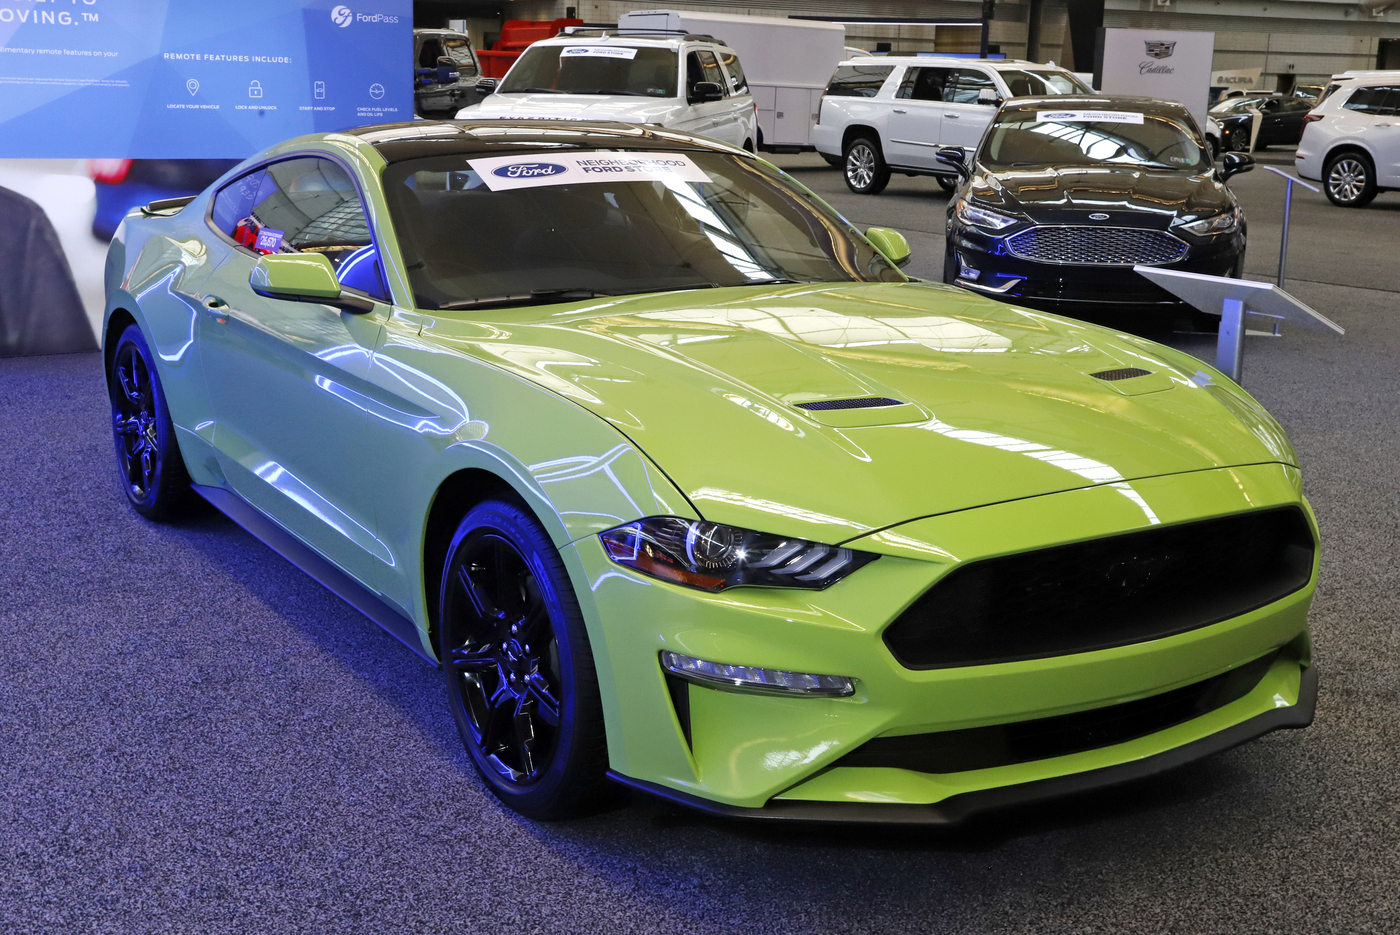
column 530, row 170
column 1098, row 217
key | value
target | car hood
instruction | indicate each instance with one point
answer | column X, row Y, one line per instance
column 572, row 107
column 996, row 403
column 1130, row 196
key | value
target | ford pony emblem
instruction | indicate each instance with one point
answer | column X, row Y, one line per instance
column 529, row 170
column 1159, row 48
column 1098, row 217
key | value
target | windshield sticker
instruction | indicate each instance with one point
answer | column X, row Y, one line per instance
column 502, row 173
column 598, row 51
column 1087, row 116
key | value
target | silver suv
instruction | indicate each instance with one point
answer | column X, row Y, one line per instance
column 891, row 114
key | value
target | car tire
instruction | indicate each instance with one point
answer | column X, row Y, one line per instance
column 949, row 183
column 864, row 167
column 836, row 161
column 149, row 461
column 1349, row 179
column 950, row 267
column 1214, row 146
column 531, row 719
column 748, row 146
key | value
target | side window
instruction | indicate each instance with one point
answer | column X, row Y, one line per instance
column 710, row 71
column 1368, row 101
column 304, row 205
column 460, row 51
column 428, row 55
column 923, row 84
column 738, row 84
column 858, row 80
column 968, row 86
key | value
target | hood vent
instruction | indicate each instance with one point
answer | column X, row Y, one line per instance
column 1125, row 373
column 870, row 402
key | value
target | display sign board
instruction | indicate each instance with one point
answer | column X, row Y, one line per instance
column 165, row 79
column 1245, row 79
column 1166, row 64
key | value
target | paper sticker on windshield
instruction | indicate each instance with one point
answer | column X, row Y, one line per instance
column 598, row 51
column 502, row 173
column 1087, row 116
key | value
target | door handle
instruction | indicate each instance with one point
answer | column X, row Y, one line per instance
column 898, row 111
column 952, row 116
column 213, row 301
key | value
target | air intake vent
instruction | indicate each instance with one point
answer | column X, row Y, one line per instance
column 871, row 402
column 1125, row 373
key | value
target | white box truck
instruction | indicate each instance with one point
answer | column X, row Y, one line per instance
column 787, row 62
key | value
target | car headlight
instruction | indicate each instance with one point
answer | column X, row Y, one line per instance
column 1224, row 223
column 984, row 217
column 713, row 557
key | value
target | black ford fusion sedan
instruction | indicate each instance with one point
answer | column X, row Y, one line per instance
column 1062, row 198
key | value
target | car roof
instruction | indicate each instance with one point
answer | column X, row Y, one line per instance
column 1145, row 105
column 631, row 38
column 998, row 64
column 396, row 142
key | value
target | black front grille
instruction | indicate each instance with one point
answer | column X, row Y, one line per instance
column 954, row 751
column 1096, row 246
column 1105, row 592
column 869, row 402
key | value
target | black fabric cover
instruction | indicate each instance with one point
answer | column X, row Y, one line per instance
column 40, row 310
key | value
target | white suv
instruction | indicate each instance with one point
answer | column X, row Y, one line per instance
column 674, row 80
column 1351, row 139
column 882, row 114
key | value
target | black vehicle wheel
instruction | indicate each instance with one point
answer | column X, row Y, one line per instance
column 950, row 267
column 1349, row 180
column 1214, row 145
column 520, row 676
column 949, row 183
column 832, row 160
column 149, row 462
column 865, row 169
column 748, row 146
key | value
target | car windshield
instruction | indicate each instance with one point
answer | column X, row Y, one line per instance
column 594, row 69
column 1236, row 105
column 1042, row 83
column 516, row 230
column 1087, row 138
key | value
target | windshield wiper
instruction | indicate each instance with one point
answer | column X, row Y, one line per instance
column 533, row 297
column 612, row 91
column 537, row 91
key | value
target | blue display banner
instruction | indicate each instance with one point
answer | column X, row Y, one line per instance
column 173, row 79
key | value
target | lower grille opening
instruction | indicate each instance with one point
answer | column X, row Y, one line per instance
column 956, row 751
column 1106, row 592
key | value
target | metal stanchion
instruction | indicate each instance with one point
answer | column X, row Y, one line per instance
column 1287, row 211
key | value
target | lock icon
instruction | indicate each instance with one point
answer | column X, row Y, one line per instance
column 255, row 90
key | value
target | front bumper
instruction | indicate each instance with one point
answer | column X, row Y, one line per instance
column 985, row 265
column 747, row 754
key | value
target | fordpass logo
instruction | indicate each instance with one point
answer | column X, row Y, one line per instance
column 530, row 170
column 342, row 16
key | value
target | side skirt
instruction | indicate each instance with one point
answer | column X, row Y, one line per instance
column 270, row 534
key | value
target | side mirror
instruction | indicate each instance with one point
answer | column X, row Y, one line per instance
column 956, row 157
column 1235, row 163
column 891, row 243
column 303, row 277
column 703, row 91
column 989, row 97
column 445, row 72
column 487, row 86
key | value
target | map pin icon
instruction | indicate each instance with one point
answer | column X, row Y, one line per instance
column 192, row 85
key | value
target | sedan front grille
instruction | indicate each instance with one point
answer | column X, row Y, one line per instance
column 1096, row 246
column 1113, row 591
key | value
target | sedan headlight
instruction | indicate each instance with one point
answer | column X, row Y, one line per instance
column 984, row 217
column 713, row 557
column 1224, row 223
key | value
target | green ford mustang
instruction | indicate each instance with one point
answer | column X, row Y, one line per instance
column 684, row 484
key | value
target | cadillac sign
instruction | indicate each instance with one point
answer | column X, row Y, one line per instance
column 1157, row 48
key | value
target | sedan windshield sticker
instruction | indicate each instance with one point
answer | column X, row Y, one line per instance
column 502, row 173
column 598, row 51
column 1087, row 116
